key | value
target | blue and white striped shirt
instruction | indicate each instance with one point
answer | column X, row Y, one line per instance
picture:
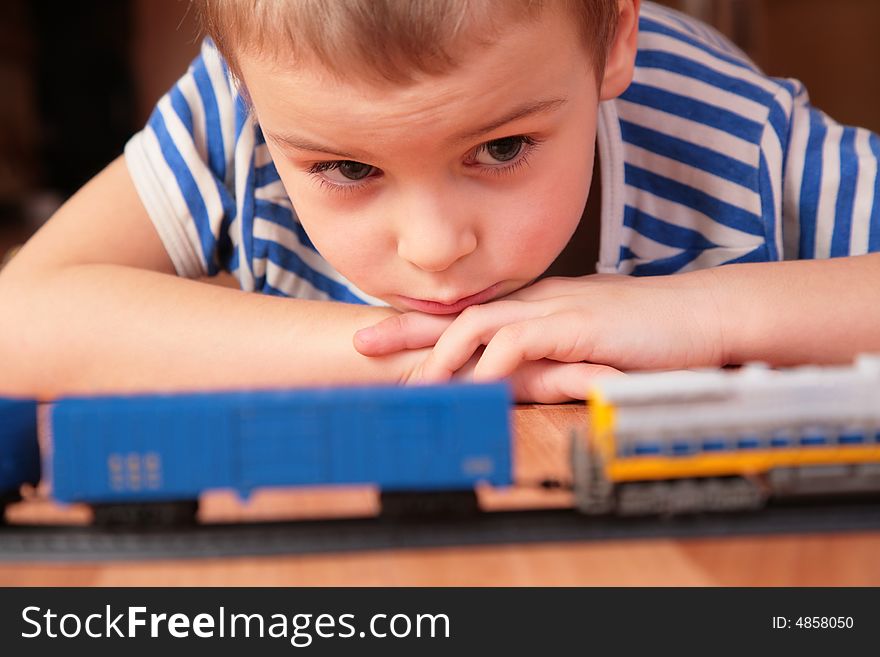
column 704, row 161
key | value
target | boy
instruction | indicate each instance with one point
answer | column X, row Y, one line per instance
column 425, row 163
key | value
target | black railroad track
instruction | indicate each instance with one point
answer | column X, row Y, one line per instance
column 91, row 543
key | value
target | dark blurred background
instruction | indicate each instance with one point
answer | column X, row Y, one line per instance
column 78, row 78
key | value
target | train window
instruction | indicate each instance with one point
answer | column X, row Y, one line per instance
column 748, row 442
column 781, row 440
column 114, row 470
column 715, row 444
column 852, row 436
column 683, row 447
column 812, row 439
column 153, row 466
column 643, row 449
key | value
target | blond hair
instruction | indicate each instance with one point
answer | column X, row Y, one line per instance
column 389, row 40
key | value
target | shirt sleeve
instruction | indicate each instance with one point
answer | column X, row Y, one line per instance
column 183, row 164
column 830, row 193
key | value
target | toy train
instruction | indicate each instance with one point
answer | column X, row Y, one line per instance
column 147, row 458
column 658, row 443
column 680, row 442
column 19, row 453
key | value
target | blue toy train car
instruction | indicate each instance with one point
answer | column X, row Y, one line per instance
column 413, row 443
column 19, row 450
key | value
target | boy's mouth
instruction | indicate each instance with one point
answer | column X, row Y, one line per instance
column 450, row 308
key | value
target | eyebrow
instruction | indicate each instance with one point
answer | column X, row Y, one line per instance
column 529, row 109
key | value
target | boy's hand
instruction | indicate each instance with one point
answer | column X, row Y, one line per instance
column 618, row 322
column 542, row 381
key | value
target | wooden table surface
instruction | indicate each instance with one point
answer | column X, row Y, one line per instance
column 845, row 559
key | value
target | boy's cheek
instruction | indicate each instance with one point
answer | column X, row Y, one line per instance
column 341, row 238
column 534, row 242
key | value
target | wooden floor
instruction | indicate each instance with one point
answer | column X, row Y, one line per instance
column 790, row 560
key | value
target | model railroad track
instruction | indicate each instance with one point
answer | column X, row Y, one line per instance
column 95, row 543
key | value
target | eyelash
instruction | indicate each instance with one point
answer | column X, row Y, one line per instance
column 530, row 144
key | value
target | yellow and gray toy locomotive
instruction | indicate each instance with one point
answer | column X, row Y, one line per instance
column 724, row 440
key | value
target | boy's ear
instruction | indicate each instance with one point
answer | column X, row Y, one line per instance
column 621, row 58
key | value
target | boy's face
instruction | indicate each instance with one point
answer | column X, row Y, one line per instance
column 455, row 190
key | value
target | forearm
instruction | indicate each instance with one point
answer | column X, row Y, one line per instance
column 811, row 311
column 93, row 328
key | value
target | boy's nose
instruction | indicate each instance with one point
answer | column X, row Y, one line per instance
column 432, row 240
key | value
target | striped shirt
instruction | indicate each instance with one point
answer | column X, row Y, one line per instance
column 704, row 161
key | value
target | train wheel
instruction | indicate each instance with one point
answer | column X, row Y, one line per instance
column 682, row 496
column 643, row 498
column 147, row 514
column 430, row 504
column 732, row 494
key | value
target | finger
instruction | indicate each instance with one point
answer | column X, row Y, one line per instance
column 561, row 337
column 546, row 288
column 411, row 330
column 549, row 382
column 474, row 327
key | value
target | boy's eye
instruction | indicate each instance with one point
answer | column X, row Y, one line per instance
column 343, row 171
column 504, row 149
column 500, row 150
column 354, row 170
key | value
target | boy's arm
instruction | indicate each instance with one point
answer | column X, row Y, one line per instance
column 90, row 304
column 803, row 311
